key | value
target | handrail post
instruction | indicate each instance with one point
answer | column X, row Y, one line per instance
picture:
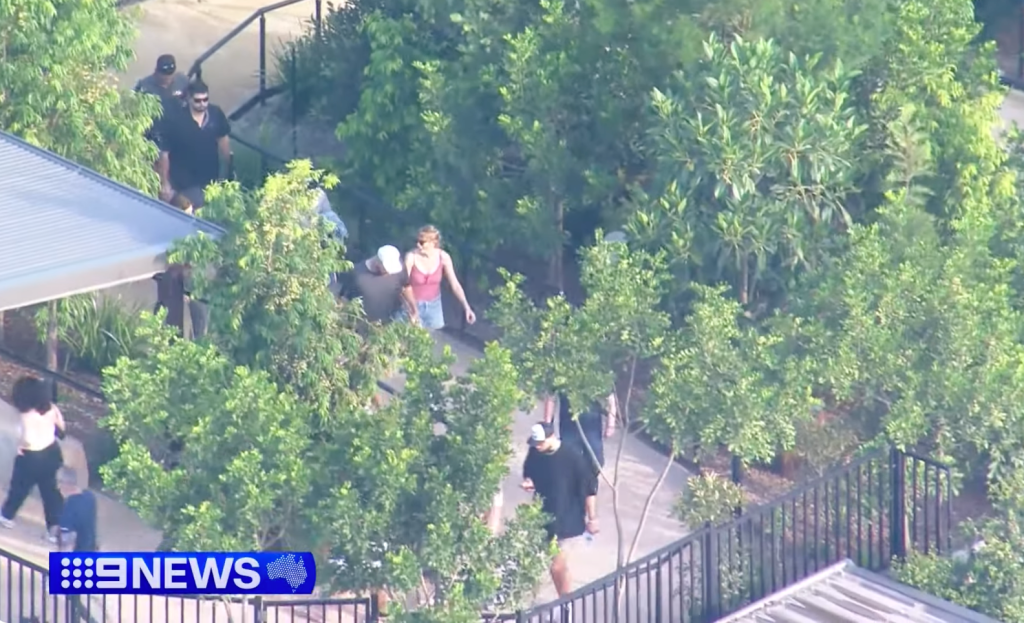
column 257, row 609
column 318, row 19
column 263, row 59
column 709, row 574
column 897, row 514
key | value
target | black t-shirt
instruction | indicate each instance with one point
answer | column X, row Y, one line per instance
column 592, row 423
column 192, row 147
column 564, row 481
column 381, row 294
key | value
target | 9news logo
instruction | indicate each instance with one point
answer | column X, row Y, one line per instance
column 174, row 573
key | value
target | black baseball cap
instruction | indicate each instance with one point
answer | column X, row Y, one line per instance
column 166, row 64
column 540, row 432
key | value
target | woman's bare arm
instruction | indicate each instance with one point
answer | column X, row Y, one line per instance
column 453, row 280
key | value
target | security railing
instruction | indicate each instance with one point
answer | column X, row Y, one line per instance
column 872, row 510
column 264, row 90
column 23, row 597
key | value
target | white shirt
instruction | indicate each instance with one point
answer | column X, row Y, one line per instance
column 38, row 432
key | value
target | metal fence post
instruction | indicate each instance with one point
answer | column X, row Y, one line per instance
column 263, row 59
column 709, row 574
column 318, row 19
column 898, row 500
column 736, row 468
column 295, row 112
column 257, row 609
column 373, row 609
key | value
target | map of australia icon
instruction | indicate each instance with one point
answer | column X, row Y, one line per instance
column 290, row 568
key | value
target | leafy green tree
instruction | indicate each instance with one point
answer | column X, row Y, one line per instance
column 584, row 352
column 918, row 339
column 987, row 578
column 211, row 453
column 270, row 303
column 757, row 149
column 727, row 385
column 57, row 92
column 266, row 435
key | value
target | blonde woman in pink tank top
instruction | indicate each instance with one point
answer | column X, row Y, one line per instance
column 428, row 265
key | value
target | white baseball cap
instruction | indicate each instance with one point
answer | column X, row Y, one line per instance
column 391, row 259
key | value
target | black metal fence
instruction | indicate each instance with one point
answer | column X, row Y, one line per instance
column 259, row 16
column 872, row 510
column 24, row 599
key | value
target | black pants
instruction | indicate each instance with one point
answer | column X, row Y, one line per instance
column 36, row 468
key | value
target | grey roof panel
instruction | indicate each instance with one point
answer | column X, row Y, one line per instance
column 845, row 593
column 65, row 229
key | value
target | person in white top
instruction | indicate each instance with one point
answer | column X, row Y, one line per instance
column 39, row 456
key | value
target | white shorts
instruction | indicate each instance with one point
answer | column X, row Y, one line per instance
column 572, row 544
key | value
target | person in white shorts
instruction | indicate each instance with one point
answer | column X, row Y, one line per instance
column 564, row 481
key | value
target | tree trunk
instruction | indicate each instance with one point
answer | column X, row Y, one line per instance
column 745, row 281
column 556, row 266
column 52, row 343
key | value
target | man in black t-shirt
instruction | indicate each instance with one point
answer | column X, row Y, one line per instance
column 194, row 147
column 382, row 283
column 564, row 481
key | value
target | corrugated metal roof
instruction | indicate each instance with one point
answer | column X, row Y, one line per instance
column 65, row 229
column 845, row 593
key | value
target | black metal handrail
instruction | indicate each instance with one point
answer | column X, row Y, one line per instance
column 865, row 511
column 24, row 597
column 54, row 377
column 870, row 510
column 196, row 70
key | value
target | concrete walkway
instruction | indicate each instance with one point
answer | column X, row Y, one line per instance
column 187, row 28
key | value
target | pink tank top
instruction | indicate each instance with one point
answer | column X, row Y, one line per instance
column 426, row 287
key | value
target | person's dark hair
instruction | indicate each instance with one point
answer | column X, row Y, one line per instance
column 31, row 393
column 196, row 87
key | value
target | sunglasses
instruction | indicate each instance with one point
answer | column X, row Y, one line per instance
column 201, row 100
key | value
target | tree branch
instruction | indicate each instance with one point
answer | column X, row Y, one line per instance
column 624, row 412
column 650, row 500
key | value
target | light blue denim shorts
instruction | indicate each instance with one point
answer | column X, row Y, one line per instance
column 431, row 314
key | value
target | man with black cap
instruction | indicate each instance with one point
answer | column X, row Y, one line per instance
column 566, row 485
column 165, row 82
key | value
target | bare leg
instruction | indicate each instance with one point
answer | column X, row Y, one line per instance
column 493, row 516
column 560, row 574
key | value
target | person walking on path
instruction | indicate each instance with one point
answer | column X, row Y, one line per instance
column 78, row 528
column 78, row 519
column 166, row 82
column 427, row 265
column 383, row 285
column 195, row 150
column 597, row 423
column 565, row 484
column 169, row 85
column 39, row 456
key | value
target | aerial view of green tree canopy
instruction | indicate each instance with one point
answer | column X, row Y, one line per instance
column 57, row 90
column 265, row 435
column 831, row 170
